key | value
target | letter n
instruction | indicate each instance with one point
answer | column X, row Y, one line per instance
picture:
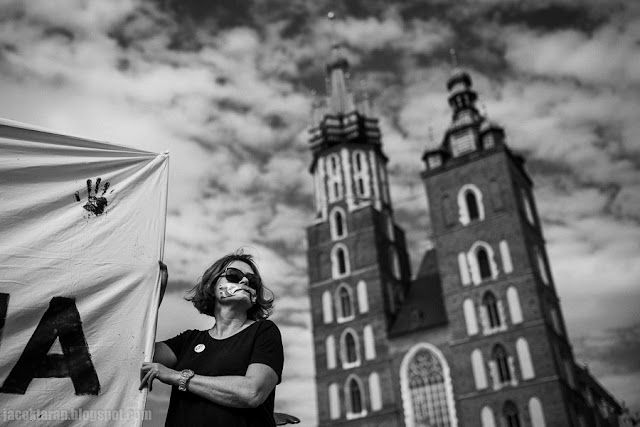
column 61, row 320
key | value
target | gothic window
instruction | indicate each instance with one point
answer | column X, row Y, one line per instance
column 390, row 227
column 428, row 393
column 483, row 264
column 470, row 206
column 491, row 305
column 361, row 174
column 375, row 392
column 501, row 360
column 395, row 262
column 479, row 373
column 481, row 261
column 327, row 307
column 487, row 418
column 536, row 413
column 363, row 298
column 369, row 343
column 527, row 206
column 384, row 185
column 514, row 305
column 338, row 223
column 511, row 416
column 524, row 358
column 339, row 261
column 470, row 320
column 320, row 196
column 505, row 254
column 464, row 269
column 344, row 303
column 334, row 178
column 330, row 347
column 334, row 401
column 542, row 267
column 355, row 404
column 349, row 349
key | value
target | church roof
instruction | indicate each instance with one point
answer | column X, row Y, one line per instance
column 423, row 306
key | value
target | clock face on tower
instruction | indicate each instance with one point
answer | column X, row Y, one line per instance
column 463, row 142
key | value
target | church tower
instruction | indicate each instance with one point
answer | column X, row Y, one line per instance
column 507, row 337
column 357, row 258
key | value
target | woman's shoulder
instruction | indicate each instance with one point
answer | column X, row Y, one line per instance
column 266, row 326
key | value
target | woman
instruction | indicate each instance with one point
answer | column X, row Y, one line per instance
column 224, row 376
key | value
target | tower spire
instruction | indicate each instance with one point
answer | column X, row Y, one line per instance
column 340, row 101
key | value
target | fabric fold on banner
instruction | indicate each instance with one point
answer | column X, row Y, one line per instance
column 82, row 227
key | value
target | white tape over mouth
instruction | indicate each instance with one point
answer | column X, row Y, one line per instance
column 229, row 289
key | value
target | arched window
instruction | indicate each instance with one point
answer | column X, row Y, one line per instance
column 338, row 223
column 470, row 206
column 390, row 227
column 344, row 303
column 524, row 358
column 542, row 265
column 483, row 264
column 514, row 305
column 349, row 349
column 510, row 413
column 320, row 192
column 354, row 394
column 505, row 254
column 327, row 307
column 492, row 313
column 330, row 347
column 339, row 261
column 527, row 206
column 426, row 388
column 334, row 177
column 369, row 343
column 375, row 392
column 361, row 174
column 464, row 269
column 469, row 311
column 334, row 401
column 395, row 262
column 479, row 373
column 487, row 418
column 537, row 415
column 363, row 298
column 501, row 360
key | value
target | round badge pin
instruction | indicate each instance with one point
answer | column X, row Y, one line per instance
column 199, row 348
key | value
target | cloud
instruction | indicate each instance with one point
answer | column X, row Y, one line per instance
column 609, row 56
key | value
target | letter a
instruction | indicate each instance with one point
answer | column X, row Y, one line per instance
column 61, row 320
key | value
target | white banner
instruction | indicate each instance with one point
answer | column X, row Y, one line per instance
column 81, row 232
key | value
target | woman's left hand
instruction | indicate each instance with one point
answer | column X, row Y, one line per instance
column 151, row 371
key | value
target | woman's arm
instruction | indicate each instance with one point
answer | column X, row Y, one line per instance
column 163, row 354
column 248, row 391
column 236, row 391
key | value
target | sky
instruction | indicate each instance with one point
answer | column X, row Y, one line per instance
column 227, row 88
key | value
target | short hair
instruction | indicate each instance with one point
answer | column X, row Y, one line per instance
column 202, row 296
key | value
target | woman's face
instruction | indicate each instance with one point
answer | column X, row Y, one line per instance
column 229, row 292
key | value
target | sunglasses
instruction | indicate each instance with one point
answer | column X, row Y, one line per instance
column 233, row 275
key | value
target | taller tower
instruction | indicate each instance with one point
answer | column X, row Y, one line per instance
column 507, row 338
column 358, row 266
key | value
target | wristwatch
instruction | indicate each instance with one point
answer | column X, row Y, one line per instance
column 185, row 376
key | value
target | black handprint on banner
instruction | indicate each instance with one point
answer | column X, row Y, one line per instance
column 95, row 204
